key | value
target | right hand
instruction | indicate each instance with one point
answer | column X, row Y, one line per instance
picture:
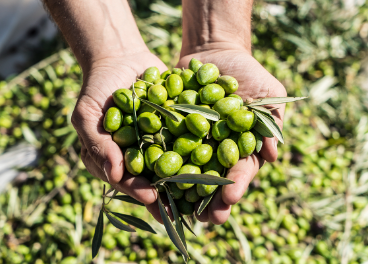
column 101, row 155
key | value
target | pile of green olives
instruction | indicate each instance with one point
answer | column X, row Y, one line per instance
column 192, row 144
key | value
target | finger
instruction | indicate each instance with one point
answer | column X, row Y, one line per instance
column 242, row 174
column 137, row 187
column 203, row 217
column 91, row 166
column 155, row 211
column 218, row 211
column 87, row 119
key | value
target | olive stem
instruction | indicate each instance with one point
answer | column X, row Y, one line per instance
column 145, row 81
column 162, row 139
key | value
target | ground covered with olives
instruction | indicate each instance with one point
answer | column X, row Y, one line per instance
column 188, row 141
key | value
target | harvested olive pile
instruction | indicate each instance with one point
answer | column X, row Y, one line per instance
column 186, row 122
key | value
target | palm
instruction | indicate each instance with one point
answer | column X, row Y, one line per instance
column 103, row 79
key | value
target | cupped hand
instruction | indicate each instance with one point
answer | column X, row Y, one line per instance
column 254, row 82
column 101, row 155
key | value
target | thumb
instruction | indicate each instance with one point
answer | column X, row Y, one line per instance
column 103, row 151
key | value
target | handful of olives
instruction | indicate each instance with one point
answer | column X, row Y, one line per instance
column 190, row 143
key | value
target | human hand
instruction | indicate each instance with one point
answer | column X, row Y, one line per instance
column 101, row 155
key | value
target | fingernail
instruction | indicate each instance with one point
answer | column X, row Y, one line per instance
column 107, row 169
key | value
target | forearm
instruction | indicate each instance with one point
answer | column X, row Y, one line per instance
column 216, row 21
column 96, row 29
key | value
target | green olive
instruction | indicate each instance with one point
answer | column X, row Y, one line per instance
column 113, row 119
column 141, row 93
column 194, row 65
column 176, row 128
column 211, row 93
column 125, row 136
column 174, row 85
column 186, row 143
column 243, row 108
column 205, row 106
column 191, row 195
column 151, row 155
column 168, row 164
column 189, row 80
column 204, row 189
column 197, row 124
column 160, row 188
column 128, row 120
column 157, row 94
column 228, row 153
column 167, row 137
column 246, row 144
column 213, row 164
column 167, row 104
column 225, row 106
column 201, row 154
column 185, row 207
column 151, row 74
column 134, row 161
column 188, row 169
column 175, row 192
column 140, row 85
column 149, row 123
column 145, row 108
column 230, row 84
column 165, row 74
column 220, row 130
column 241, row 120
column 189, row 97
column 177, row 71
column 237, row 97
column 124, row 100
column 207, row 73
column 160, row 82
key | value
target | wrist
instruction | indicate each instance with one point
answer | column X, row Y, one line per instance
column 209, row 25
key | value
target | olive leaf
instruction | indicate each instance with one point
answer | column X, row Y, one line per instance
column 173, row 235
column 271, row 125
column 185, row 223
column 197, row 178
column 242, row 239
column 174, row 210
column 274, row 100
column 162, row 110
column 259, row 140
column 97, row 237
column 135, row 114
column 260, row 109
column 119, row 224
column 134, row 221
column 262, row 129
column 205, row 112
column 128, row 199
column 206, row 200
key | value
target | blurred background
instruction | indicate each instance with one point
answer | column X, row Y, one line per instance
column 310, row 206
